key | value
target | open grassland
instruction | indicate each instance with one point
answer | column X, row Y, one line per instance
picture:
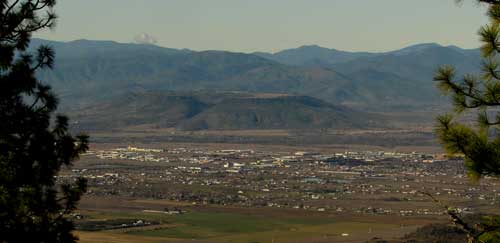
column 220, row 225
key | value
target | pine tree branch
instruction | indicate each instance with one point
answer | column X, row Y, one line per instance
column 472, row 233
column 10, row 8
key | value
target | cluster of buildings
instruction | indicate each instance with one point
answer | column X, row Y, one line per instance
column 130, row 153
column 350, row 182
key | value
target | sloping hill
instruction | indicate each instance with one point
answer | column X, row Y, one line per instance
column 217, row 111
column 284, row 112
column 138, row 108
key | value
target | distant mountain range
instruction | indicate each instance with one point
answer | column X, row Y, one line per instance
column 313, row 55
column 104, row 72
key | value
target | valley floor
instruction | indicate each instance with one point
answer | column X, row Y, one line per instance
column 258, row 193
column 209, row 224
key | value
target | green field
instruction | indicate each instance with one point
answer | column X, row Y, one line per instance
column 223, row 227
column 208, row 225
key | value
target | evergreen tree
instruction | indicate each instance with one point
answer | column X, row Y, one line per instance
column 34, row 142
column 479, row 144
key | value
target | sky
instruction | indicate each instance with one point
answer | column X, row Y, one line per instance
column 271, row 25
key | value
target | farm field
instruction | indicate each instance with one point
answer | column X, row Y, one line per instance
column 240, row 225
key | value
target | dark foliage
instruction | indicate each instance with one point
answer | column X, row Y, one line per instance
column 436, row 233
column 34, row 143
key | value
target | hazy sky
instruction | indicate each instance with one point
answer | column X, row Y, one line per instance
column 271, row 25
